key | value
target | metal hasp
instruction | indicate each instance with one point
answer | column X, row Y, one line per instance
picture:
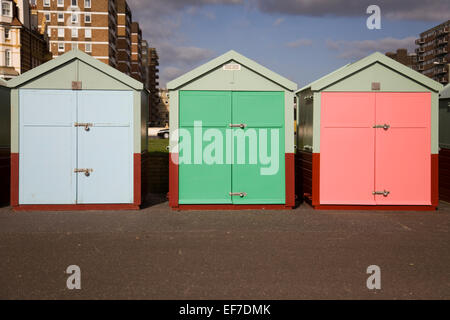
column 87, row 126
column 381, row 193
column 87, row 172
column 382, row 126
column 238, row 194
column 241, row 125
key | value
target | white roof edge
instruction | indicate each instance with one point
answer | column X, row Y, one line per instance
column 231, row 56
column 73, row 55
column 376, row 57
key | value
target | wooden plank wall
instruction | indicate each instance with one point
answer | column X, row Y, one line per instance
column 303, row 174
column 444, row 175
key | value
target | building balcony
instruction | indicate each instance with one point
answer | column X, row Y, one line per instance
column 420, row 50
column 443, row 31
column 420, row 41
column 441, row 51
column 442, row 41
column 440, row 71
column 420, row 68
column 421, row 59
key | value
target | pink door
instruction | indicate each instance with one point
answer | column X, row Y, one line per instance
column 347, row 146
column 403, row 150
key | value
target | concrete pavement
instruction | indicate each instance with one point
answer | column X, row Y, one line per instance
column 157, row 253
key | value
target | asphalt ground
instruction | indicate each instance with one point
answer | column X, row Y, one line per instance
column 157, row 253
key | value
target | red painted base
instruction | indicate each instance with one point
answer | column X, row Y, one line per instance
column 210, row 207
column 76, row 207
column 376, row 208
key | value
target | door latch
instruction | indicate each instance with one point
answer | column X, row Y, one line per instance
column 238, row 194
column 87, row 172
column 381, row 193
column 386, row 127
column 87, row 126
column 241, row 125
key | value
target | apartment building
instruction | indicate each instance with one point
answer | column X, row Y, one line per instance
column 153, row 77
column 136, row 52
column 403, row 56
column 433, row 52
column 124, row 20
column 87, row 25
column 145, row 64
column 159, row 117
column 23, row 44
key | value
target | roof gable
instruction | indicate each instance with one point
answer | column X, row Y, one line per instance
column 68, row 57
column 376, row 57
column 225, row 58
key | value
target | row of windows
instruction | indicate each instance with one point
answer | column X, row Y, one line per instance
column 74, row 17
column 62, row 47
column 74, row 33
column 73, row 3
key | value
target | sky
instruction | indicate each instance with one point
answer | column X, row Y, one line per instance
column 301, row 40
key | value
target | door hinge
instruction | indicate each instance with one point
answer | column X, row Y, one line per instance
column 238, row 194
column 87, row 172
column 87, row 126
column 241, row 125
column 382, row 126
column 384, row 193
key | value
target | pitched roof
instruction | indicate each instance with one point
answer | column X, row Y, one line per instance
column 3, row 83
column 376, row 57
column 445, row 93
column 227, row 57
column 75, row 55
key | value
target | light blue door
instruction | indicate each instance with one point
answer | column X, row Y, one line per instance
column 106, row 148
column 47, row 147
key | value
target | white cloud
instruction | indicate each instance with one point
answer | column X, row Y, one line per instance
column 278, row 21
column 359, row 49
column 299, row 43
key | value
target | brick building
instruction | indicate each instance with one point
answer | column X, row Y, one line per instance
column 402, row 56
column 124, row 20
column 159, row 116
column 23, row 43
column 433, row 52
column 136, row 52
column 87, row 25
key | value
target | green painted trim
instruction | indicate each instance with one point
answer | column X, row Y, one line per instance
column 289, row 122
column 67, row 57
column 15, row 121
column 231, row 56
column 317, row 102
column 434, row 123
column 376, row 57
column 137, row 121
column 174, row 122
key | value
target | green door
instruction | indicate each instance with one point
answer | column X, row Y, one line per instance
column 201, row 182
column 261, row 176
column 220, row 160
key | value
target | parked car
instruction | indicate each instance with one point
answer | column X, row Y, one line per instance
column 164, row 133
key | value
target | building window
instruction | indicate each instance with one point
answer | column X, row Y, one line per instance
column 74, row 18
column 61, row 33
column 7, row 9
column 61, row 3
column 60, row 17
column 49, row 32
column 8, row 58
column 87, row 3
column 74, row 3
column 74, row 33
column 7, row 33
column 46, row 3
column 47, row 17
column 88, row 47
column 88, row 33
column 61, row 47
column 87, row 18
